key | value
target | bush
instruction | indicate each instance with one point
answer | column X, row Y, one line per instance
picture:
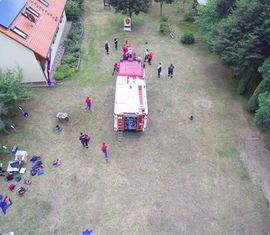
column 187, row 38
column 75, row 49
column 262, row 116
column 69, row 59
column 67, row 43
column 165, row 28
column 74, row 34
column 73, row 10
column 12, row 91
column 64, row 71
column 190, row 17
column 244, row 82
column 164, row 19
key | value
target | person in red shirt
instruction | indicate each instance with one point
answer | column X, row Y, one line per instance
column 104, row 149
column 150, row 57
column 88, row 103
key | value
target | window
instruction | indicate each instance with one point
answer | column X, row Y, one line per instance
column 33, row 11
column 45, row 3
column 19, row 32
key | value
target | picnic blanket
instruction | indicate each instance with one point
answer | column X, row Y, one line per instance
column 5, row 203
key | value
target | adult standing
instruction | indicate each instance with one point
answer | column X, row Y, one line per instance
column 150, row 57
column 115, row 40
column 146, row 52
column 107, row 47
column 82, row 139
column 104, row 149
column 159, row 69
column 170, row 71
column 88, row 103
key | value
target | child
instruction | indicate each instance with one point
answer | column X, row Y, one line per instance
column 88, row 103
column 104, row 149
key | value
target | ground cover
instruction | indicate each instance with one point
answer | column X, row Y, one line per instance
column 180, row 177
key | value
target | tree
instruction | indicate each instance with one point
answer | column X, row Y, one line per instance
column 128, row 7
column 264, row 86
column 262, row 116
column 161, row 2
column 11, row 92
column 225, row 7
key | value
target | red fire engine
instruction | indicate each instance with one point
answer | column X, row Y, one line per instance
column 130, row 107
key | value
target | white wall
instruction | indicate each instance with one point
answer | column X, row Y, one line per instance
column 13, row 54
column 57, row 39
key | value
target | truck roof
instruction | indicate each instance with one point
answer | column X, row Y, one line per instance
column 132, row 68
column 130, row 95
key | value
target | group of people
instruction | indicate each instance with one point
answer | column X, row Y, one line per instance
column 85, row 139
column 107, row 45
column 170, row 70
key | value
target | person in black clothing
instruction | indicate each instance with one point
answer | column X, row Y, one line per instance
column 107, row 47
column 159, row 69
column 170, row 71
column 115, row 40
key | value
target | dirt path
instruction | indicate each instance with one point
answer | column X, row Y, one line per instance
column 180, row 177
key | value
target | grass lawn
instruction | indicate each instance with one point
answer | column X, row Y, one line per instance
column 180, row 177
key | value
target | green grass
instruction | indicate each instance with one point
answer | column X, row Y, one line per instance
column 186, row 26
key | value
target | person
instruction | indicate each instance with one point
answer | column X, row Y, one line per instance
column 170, row 71
column 191, row 117
column 88, row 103
column 146, row 52
column 115, row 40
column 82, row 139
column 107, row 47
column 27, row 181
column 150, row 57
column 115, row 68
column 104, row 149
column 159, row 69
column 86, row 139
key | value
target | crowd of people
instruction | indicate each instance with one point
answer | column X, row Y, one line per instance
column 129, row 54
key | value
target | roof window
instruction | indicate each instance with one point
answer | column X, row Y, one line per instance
column 19, row 32
column 45, row 3
column 33, row 11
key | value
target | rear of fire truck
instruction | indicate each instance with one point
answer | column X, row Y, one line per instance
column 130, row 108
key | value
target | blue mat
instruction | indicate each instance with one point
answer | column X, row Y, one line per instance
column 87, row 232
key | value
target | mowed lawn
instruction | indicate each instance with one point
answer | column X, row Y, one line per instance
column 180, row 177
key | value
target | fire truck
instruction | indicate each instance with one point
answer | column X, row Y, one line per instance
column 130, row 107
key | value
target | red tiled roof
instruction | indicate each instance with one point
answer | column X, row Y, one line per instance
column 41, row 33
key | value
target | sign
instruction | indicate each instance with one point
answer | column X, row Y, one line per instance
column 127, row 24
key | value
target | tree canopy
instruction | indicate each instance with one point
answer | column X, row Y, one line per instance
column 161, row 2
column 128, row 7
column 11, row 92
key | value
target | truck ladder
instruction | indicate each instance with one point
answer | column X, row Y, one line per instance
column 120, row 135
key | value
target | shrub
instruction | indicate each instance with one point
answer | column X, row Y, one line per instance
column 75, row 49
column 164, row 19
column 64, row 71
column 165, row 28
column 74, row 34
column 73, row 10
column 190, row 17
column 69, row 59
column 244, row 82
column 67, row 43
column 262, row 116
column 187, row 38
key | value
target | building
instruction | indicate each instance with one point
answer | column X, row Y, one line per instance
column 30, row 33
